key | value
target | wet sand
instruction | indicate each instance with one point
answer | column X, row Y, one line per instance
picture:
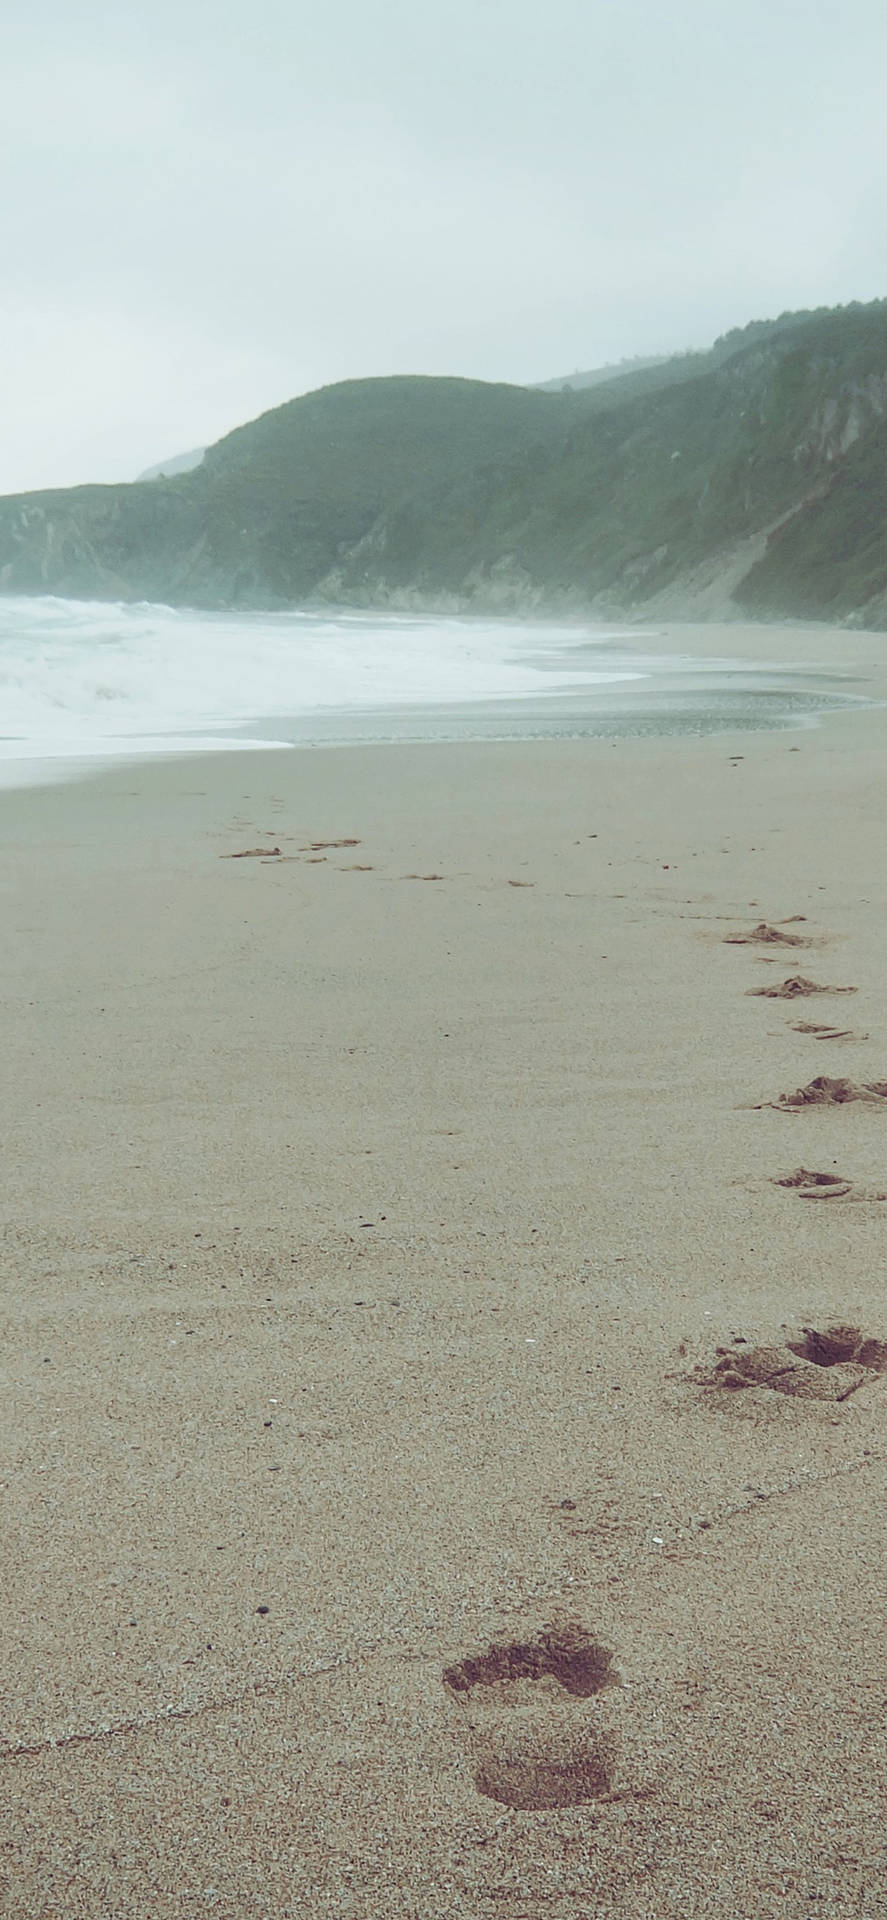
column 383, row 1534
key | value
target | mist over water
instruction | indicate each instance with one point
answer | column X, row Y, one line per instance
column 81, row 681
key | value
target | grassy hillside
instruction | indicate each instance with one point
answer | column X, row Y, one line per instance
column 642, row 491
column 600, row 376
column 287, row 496
column 274, row 505
column 454, row 492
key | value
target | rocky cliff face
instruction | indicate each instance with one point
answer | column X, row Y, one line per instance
column 753, row 479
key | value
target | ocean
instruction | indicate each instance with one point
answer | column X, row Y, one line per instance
column 83, row 682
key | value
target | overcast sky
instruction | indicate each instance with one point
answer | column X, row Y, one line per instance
column 211, row 205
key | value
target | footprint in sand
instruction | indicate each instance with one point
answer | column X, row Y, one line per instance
column 252, row 853
column 810, row 1185
column 819, row 1030
column 824, row 1092
column 321, row 846
column 766, row 936
column 531, row 1744
column 818, row 1366
column 795, row 988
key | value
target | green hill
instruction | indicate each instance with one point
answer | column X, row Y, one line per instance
column 598, row 376
column 752, row 478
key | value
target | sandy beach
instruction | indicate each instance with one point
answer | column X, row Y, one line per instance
column 384, row 1532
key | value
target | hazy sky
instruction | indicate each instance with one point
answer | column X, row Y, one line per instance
column 211, row 205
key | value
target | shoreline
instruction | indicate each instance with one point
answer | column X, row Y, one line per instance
column 762, row 687
column 367, row 1208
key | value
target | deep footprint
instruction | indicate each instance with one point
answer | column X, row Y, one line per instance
column 818, row 1031
column 823, row 1092
column 838, row 1345
column 535, row 1761
column 795, row 988
column 810, row 1185
column 821, row 1186
column 829, row 1365
column 765, row 936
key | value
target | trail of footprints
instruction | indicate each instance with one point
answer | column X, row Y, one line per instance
column 529, row 1711
column 823, row 1090
column 833, row 1363
column 530, row 1737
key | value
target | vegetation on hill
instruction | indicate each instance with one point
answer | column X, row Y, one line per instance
column 598, row 376
column 762, row 464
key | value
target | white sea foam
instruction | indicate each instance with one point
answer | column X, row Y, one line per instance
column 84, row 681
column 82, row 678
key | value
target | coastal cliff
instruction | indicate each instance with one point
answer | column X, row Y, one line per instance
column 751, row 479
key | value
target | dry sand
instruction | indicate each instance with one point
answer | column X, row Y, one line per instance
column 363, row 1231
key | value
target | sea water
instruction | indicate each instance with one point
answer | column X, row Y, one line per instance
column 83, row 681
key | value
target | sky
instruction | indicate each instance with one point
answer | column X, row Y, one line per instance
column 210, row 206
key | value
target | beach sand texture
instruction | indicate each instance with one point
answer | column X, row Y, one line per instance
column 423, row 1491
